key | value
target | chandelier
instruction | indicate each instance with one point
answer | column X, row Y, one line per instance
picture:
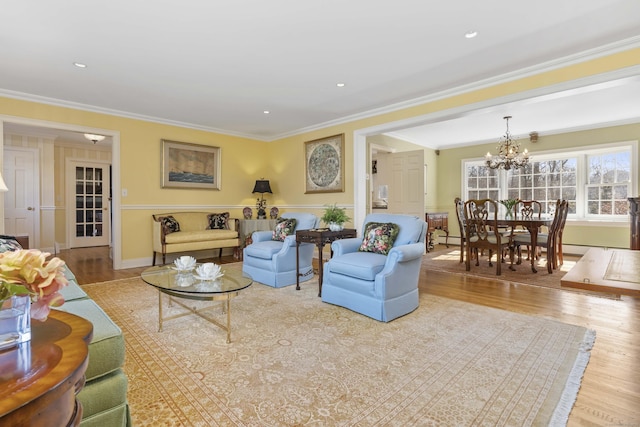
column 509, row 155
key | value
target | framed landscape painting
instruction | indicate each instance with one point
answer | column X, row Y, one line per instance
column 324, row 165
column 186, row 165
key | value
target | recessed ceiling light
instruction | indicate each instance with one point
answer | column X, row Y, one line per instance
column 340, row 84
column 470, row 34
column 266, row 111
column 80, row 65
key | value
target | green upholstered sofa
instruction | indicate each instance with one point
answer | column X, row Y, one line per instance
column 104, row 395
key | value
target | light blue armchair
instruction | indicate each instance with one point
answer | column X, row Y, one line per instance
column 273, row 262
column 383, row 287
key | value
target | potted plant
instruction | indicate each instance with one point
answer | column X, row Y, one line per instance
column 335, row 217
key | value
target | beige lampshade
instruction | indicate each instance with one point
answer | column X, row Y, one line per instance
column 3, row 186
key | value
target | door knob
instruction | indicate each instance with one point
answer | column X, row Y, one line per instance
column 29, row 208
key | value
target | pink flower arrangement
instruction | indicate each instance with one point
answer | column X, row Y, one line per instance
column 27, row 272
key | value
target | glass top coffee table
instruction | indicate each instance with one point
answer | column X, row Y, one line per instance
column 186, row 285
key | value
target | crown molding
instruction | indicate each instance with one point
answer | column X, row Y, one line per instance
column 577, row 58
column 583, row 56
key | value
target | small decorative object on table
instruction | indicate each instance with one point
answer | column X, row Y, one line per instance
column 509, row 204
column 335, row 217
column 273, row 213
column 185, row 263
column 209, row 271
column 29, row 286
column 247, row 212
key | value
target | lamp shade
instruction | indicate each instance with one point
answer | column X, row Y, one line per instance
column 262, row 186
column 3, row 186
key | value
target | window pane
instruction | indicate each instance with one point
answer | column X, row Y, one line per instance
column 621, row 207
column 601, row 188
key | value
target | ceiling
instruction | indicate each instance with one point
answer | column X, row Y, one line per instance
column 219, row 65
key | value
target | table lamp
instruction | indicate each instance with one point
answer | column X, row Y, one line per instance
column 262, row 186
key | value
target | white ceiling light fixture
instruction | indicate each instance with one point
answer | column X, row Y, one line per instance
column 80, row 65
column 340, row 84
column 509, row 155
column 470, row 34
column 93, row 137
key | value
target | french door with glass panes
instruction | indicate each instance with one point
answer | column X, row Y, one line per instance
column 88, row 205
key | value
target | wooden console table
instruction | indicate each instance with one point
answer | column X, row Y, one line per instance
column 40, row 378
column 319, row 237
column 436, row 221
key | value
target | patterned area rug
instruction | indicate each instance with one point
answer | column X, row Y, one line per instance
column 295, row 361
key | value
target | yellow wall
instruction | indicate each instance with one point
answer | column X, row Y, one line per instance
column 244, row 160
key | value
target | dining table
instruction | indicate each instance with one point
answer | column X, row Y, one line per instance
column 530, row 224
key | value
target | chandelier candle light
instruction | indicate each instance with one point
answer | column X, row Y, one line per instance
column 509, row 155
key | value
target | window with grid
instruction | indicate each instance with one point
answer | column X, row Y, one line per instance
column 545, row 181
column 596, row 181
column 482, row 182
column 609, row 183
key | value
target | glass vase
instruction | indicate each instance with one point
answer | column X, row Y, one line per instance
column 15, row 321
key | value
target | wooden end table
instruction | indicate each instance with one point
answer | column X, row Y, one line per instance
column 40, row 378
column 319, row 237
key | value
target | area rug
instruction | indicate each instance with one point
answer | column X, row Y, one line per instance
column 296, row 361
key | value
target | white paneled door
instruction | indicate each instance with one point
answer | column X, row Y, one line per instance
column 88, row 214
column 406, row 183
column 21, row 203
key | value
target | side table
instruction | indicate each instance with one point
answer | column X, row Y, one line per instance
column 319, row 237
column 248, row 226
column 436, row 221
column 40, row 378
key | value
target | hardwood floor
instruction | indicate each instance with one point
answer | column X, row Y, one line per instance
column 91, row 265
column 610, row 391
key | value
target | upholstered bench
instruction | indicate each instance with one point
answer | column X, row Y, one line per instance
column 182, row 232
column 104, row 395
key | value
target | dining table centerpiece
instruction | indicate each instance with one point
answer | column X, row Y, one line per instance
column 30, row 285
column 509, row 204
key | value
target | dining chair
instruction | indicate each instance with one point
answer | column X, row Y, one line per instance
column 481, row 222
column 526, row 209
column 558, row 260
column 549, row 240
column 460, row 215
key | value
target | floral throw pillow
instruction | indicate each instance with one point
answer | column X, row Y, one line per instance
column 218, row 221
column 169, row 224
column 379, row 237
column 284, row 227
column 9, row 243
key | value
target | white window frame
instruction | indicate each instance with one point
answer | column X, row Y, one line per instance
column 581, row 217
